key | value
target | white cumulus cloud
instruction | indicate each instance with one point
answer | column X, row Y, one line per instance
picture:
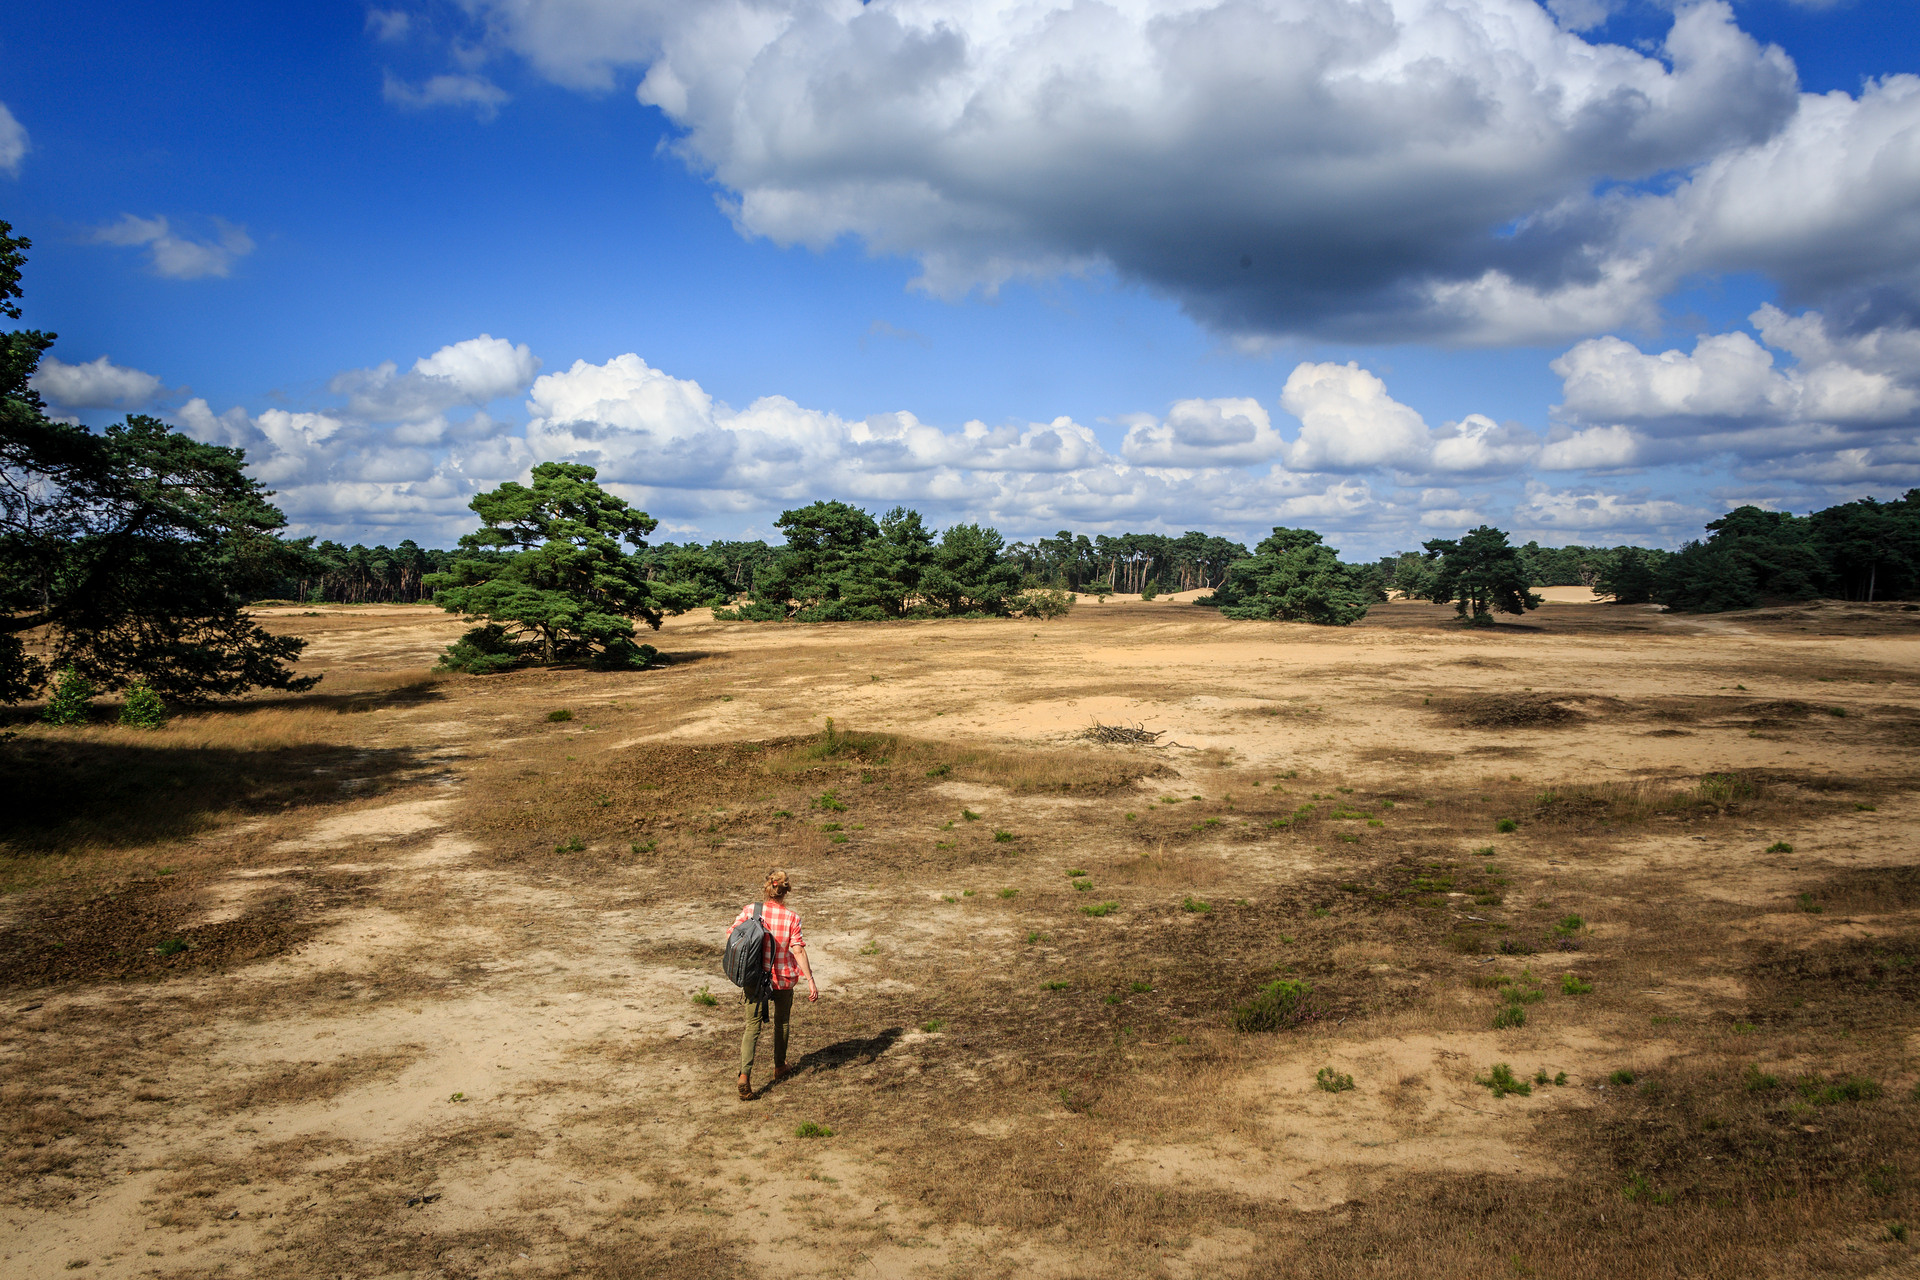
column 14, row 143
column 96, row 384
column 179, row 257
column 475, row 93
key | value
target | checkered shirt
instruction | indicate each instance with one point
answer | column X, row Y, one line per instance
column 783, row 939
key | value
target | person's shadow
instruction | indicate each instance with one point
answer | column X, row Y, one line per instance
column 846, row 1053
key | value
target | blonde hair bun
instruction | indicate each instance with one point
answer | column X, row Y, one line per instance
column 778, row 883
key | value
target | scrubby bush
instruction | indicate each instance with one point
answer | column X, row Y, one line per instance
column 143, row 709
column 72, row 700
column 1043, row 603
column 1275, row 1007
column 483, row 651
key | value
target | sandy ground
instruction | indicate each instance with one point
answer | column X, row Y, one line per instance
column 488, row 1064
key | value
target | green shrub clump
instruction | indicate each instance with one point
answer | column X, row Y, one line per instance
column 1502, row 1082
column 1043, row 603
column 72, row 699
column 1327, row 1080
column 483, row 651
column 1275, row 1007
column 143, row 709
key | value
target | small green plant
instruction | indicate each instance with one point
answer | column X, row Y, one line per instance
column 456, row 1097
column 1621, row 1075
column 783, row 813
column 1140, row 987
column 1541, row 1077
column 1560, row 1080
column 948, row 898
column 1276, row 1006
column 940, row 771
column 1570, row 985
column 705, row 997
column 1009, row 893
column 572, row 844
column 970, row 815
column 871, row 949
column 932, row 1025
column 1081, row 886
column 1003, row 837
column 1569, row 925
column 1506, row 826
column 639, row 848
column 811, row 1130
column 1898, row 1231
column 1511, row 1015
column 1882, row 1180
column 1502, row 1082
column 172, row 946
column 1779, row 846
column 143, row 709
column 1098, row 909
column 1113, row 997
column 1327, row 1080
column 1758, row 1081
column 559, row 717
column 1807, row 904
column 829, row 802
column 1057, row 984
column 831, row 826
column 72, row 699
column 966, row 893
column 1197, row 905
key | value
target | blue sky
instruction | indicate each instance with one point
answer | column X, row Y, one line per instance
column 1185, row 265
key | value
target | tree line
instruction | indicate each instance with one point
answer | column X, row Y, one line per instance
column 128, row 557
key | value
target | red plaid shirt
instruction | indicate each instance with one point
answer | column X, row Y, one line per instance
column 783, row 939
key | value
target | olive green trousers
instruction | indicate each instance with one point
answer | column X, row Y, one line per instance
column 781, row 1006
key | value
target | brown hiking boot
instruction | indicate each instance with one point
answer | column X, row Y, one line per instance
column 746, row 1092
column 781, row 1073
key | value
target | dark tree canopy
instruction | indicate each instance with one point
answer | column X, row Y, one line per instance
column 1293, row 577
column 1481, row 573
column 135, row 548
column 547, row 562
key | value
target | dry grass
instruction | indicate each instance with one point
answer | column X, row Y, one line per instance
column 1039, row 1049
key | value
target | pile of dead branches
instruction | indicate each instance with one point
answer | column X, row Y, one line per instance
column 1133, row 736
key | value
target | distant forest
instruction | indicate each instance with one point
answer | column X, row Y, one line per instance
column 1865, row 550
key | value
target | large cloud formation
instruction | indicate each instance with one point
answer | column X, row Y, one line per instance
column 402, row 453
column 1467, row 171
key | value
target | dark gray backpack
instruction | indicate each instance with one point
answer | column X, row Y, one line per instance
column 745, row 962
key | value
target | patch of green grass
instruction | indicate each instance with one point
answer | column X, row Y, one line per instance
column 1034, row 935
column 1567, row 926
column 932, row 1025
column 1097, row 909
column 1897, row 1231
column 1056, row 985
column 948, row 898
column 831, row 826
column 172, row 946
column 558, row 717
column 829, row 802
column 1758, row 1081
column 1327, row 1080
column 1140, row 987
column 811, row 1130
column 1807, row 904
column 1571, row 985
column 1003, row 837
column 705, row 997
column 1502, row 1082
column 1321, row 913
column 940, row 771
column 871, row 949
column 1276, row 1006
column 1197, row 905
column 1511, row 1015
column 1640, row 1191
column 1131, row 817
column 1506, row 826
column 970, row 815
column 1779, row 846
column 837, row 839
column 1081, row 886
column 1621, row 1075
column 966, row 893
column 1826, row 1093
column 636, row 848
column 1009, row 893
column 1113, row 997
column 572, row 844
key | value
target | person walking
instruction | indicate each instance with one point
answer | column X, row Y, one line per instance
column 786, row 962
